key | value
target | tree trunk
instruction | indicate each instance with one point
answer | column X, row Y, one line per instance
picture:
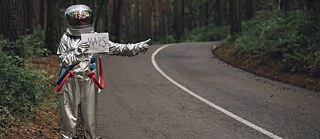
column 235, row 17
column 137, row 20
column 106, row 16
column 36, row 13
column 12, row 19
column 97, row 16
column 28, row 16
column 183, row 15
column 147, row 19
column 125, row 30
column 52, row 27
column 169, row 17
column 161, row 18
column 177, row 25
column 221, row 12
column 249, row 9
column 284, row 5
column 43, row 13
column 207, row 14
column 117, row 19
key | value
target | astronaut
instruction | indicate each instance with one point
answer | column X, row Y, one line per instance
column 80, row 88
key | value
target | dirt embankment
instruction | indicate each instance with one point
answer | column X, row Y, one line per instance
column 266, row 68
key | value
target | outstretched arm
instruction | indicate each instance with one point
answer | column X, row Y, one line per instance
column 128, row 49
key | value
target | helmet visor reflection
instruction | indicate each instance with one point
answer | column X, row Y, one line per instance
column 79, row 18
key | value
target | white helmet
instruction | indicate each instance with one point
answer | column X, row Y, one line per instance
column 78, row 20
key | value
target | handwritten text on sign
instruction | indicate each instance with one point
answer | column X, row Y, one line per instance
column 99, row 42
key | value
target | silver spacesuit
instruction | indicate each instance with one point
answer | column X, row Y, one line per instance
column 79, row 88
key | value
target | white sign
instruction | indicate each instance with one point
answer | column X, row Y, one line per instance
column 99, row 42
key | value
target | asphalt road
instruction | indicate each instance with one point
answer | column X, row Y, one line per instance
column 140, row 103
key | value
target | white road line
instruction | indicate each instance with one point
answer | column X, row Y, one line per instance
column 238, row 118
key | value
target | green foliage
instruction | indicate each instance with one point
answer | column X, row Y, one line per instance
column 267, row 32
column 34, row 44
column 267, row 5
column 208, row 33
column 21, row 87
column 27, row 46
column 168, row 39
column 303, row 54
column 290, row 37
column 4, row 113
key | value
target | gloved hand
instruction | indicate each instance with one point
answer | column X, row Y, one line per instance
column 143, row 46
column 83, row 46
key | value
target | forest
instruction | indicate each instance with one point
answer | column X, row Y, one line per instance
column 284, row 30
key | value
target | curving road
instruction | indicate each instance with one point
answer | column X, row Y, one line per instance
column 187, row 93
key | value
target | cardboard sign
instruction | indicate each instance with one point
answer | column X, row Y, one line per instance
column 99, row 42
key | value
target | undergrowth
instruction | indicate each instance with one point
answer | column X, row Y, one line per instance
column 22, row 87
column 291, row 37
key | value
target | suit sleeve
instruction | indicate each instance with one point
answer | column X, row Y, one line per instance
column 127, row 49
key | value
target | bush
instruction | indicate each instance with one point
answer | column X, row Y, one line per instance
column 290, row 37
column 303, row 54
column 21, row 86
column 268, row 33
column 34, row 44
column 208, row 33
column 26, row 46
column 168, row 39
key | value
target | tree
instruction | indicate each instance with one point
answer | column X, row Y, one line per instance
column 169, row 16
column 162, row 30
column 177, row 25
column 249, row 9
column 137, row 19
column 106, row 11
column 36, row 13
column 117, row 5
column 97, row 15
column 221, row 12
column 235, row 20
column 28, row 18
column 43, row 9
column 147, row 18
column 284, row 5
column 12, row 19
column 52, row 37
